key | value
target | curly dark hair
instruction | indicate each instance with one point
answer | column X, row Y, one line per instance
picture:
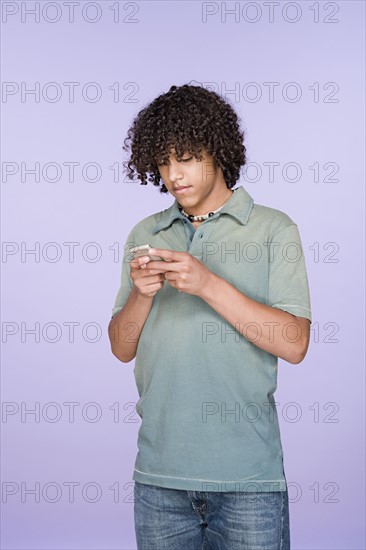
column 187, row 118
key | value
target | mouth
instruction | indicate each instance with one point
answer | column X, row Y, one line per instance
column 180, row 189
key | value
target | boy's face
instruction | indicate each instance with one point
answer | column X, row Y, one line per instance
column 202, row 182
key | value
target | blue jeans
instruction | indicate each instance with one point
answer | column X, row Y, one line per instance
column 172, row 519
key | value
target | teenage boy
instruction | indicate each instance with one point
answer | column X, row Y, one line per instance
column 206, row 324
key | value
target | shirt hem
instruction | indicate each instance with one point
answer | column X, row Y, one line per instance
column 212, row 485
column 300, row 311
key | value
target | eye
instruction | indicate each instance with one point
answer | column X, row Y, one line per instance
column 164, row 163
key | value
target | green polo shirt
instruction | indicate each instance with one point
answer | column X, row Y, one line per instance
column 208, row 416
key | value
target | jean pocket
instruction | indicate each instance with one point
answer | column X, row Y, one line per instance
column 149, row 495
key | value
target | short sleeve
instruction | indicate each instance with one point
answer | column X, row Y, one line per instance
column 126, row 282
column 288, row 281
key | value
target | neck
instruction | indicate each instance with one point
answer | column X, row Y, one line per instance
column 213, row 205
column 197, row 218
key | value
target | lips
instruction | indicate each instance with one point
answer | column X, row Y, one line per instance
column 177, row 189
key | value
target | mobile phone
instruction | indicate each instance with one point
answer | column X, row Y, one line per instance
column 142, row 250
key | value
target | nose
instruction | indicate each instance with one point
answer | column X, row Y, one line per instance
column 175, row 172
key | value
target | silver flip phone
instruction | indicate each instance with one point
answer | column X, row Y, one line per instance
column 139, row 251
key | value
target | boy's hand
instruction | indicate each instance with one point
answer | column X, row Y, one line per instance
column 147, row 281
column 183, row 272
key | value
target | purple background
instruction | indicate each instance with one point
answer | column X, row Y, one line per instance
column 321, row 400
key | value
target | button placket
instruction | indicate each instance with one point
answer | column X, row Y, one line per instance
column 200, row 234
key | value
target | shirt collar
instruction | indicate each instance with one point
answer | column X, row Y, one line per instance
column 239, row 206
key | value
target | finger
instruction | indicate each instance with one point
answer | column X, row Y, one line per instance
column 138, row 262
column 150, row 268
column 143, row 260
column 170, row 255
column 151, row 279
column 147, row 271
column 164, row 266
